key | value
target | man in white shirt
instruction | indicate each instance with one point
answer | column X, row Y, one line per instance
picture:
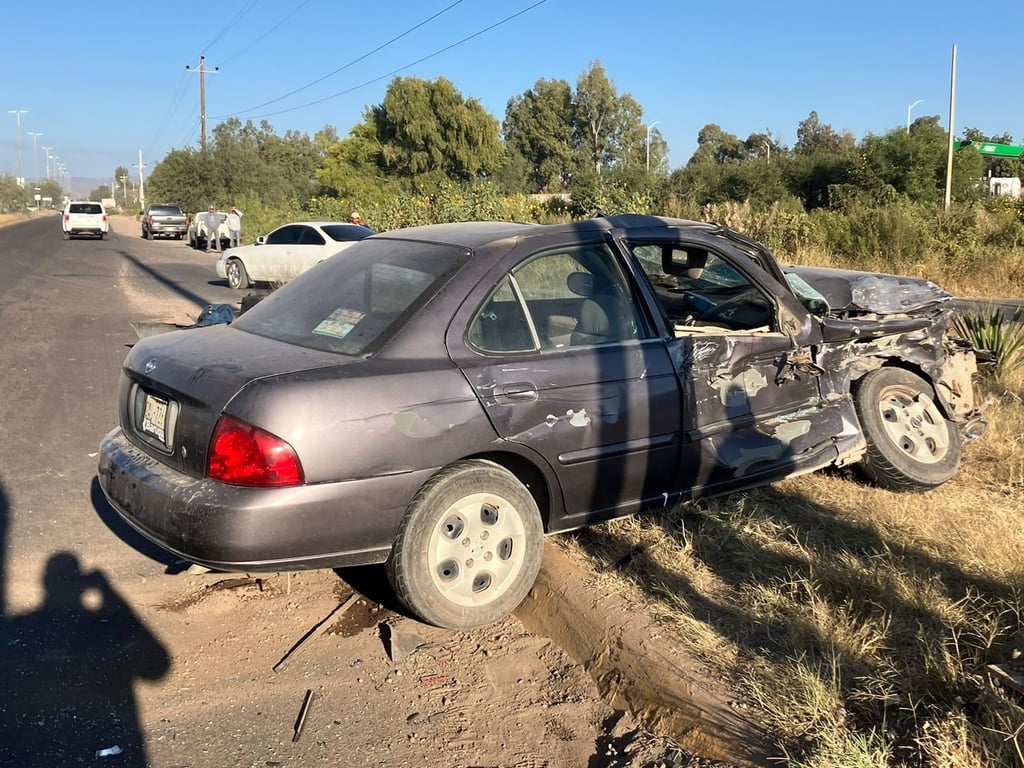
column 235, row 227
column 212, row 229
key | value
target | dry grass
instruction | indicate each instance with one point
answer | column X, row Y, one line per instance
column 860, row 620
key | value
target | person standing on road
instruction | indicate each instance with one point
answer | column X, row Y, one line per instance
column 234, row 227
column 212, row 229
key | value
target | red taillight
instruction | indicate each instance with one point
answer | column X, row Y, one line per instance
column 104, row 218
column 241, row 454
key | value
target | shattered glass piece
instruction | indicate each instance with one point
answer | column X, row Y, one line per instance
column 887, row 294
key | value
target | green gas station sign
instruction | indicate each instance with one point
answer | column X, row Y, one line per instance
column 992, row 149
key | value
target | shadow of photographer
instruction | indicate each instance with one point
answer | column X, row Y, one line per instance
column 71, row 666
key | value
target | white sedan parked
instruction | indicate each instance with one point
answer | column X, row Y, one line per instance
column 286, row 252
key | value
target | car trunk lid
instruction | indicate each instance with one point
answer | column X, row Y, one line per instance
column 175, row 386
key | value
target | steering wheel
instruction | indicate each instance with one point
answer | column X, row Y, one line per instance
column 747, row 309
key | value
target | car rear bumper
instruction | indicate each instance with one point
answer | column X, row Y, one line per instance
column 234, row 528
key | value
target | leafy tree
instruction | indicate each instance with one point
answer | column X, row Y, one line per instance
column 911, row 164
column 717, row 146
column 101, row 192
column 763, row 145
column 352, row 167
column 812, row 136
column 811, row 177
column 240, row 161
column 608, row 127
column 538, row 131
column 430, row 134
column 50, row 188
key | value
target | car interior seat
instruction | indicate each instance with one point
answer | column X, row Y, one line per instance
column 603, row 313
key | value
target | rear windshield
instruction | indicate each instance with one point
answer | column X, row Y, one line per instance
column 346, row 233
column 354, row 302
column 165, row 210
column 85, row 208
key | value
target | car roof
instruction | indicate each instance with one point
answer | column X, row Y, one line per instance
column 474, row 234
column 322, row 224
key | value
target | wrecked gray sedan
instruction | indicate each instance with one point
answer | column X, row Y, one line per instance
column 441, row 397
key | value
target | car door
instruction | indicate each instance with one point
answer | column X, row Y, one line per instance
column 309, row 250
column 566, row 366
column 745, row 352
column 271, row 260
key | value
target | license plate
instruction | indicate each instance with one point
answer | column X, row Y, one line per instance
column 154, row 418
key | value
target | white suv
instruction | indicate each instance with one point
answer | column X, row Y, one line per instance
column 84, row 217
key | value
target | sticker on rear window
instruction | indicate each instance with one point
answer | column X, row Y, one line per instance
column 339, row 323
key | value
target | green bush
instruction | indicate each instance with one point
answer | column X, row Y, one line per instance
column 990, row 329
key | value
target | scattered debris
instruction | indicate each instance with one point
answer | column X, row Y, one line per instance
column 301, row 720
column 215, row 314
column 109, row 751
column 317, row 629
column 211, row 314
column 1009, row 674
column 400, row 644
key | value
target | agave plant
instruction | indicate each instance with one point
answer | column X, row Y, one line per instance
column 991, row 329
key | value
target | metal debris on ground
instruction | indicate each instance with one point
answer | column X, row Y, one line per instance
column 301, row 720
column 319, row 627
column 1009, row 674
column 109, row 751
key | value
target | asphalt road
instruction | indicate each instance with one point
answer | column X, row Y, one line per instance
column 65, row 309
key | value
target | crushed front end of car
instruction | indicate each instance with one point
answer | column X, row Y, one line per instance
column 870, row 320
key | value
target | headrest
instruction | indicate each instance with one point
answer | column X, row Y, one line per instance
column 580, row 283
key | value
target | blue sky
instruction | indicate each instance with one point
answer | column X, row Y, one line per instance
column 102, row 81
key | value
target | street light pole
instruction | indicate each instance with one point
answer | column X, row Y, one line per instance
column 47, row 151
column 35, row 153
column 908, row 112
column 649, row 127
column 17, row 114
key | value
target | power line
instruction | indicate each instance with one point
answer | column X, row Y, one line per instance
column 354, row 61
column 274, row 28
column 238, row 14
column 403, row 68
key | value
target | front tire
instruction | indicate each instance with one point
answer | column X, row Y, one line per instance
column 469, row 547
column 237, row 277
column 911, row 446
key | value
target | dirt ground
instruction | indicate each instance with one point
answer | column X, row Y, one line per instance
column 322, row 667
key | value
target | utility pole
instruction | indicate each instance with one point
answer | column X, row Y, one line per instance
column 47, row 151
column 203, row 71
column 124, row 188
column 952, row 120
column 142, row 194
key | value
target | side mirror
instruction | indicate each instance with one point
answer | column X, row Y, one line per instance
column 261, row 240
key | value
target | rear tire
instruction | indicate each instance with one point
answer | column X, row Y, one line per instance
column 237, row 277
column 469, row 547
column 911, row 446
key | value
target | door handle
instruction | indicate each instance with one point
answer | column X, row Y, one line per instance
column 522, row 391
